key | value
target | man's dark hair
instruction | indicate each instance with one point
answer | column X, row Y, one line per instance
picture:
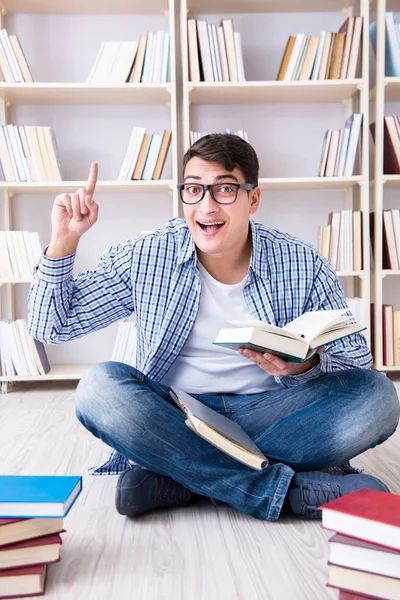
column 229, row 151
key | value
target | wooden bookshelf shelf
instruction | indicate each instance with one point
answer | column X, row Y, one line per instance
column 257, row 92
column 88, row 7
column 385, row 368
column 391, row 181
column 119, row 187
column 390, row 272
column 85, row 93
column 263, row 6
column 308, row 183
column 351, row 274
column 56, row 373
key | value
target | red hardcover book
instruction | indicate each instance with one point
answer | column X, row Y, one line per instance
column 390, row 163
column 25, row 581
column 345, row 595
column 366, row 514
column 16, row 530
column 42, row 550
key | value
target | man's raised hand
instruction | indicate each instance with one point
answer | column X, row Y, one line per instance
column 72, row 216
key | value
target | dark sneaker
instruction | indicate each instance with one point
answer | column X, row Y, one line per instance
column 309, row 490
column 139, row 490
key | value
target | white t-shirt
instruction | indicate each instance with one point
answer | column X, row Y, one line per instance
column 204, row 368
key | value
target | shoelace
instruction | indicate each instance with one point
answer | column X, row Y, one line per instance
column 170, row 490
column 324, row 492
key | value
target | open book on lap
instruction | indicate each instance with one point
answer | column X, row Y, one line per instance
column 297, row 341
column 221, row 432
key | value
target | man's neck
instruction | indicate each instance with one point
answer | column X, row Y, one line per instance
column 226, row 269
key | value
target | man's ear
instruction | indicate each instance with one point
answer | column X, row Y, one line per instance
column 255, row 197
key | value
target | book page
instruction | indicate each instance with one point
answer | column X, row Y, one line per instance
column 265, row 327
column 312, row 323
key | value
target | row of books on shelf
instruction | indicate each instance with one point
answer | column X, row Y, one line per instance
column 20, row 354
column 32, row 511
column 145, row 60
column 364, row 552
column 29, row 153
column 215, row 52
column 13, row 65
column 340, row 241
column 390, row 335
column 194, row 136
column 145, row 155
column 392, row 46
column 339, row 149
column 19, row 253
column 391, row 144
column 327, row 56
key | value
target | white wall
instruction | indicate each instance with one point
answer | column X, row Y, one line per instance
column 287, row 138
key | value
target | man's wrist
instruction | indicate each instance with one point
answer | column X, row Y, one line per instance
column 59, row 247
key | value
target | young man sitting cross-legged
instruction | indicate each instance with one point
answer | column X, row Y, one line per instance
column 183, row 282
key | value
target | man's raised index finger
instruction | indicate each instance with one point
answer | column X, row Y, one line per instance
column 91, row 184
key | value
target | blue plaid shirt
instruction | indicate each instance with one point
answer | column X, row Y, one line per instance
column 155, row 276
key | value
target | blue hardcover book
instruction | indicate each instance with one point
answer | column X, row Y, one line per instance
column 30, row 496
column 317, row 62
column 392, row 48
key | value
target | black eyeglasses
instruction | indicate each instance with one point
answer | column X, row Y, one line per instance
column 223, row 193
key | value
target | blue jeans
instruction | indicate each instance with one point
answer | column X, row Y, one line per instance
column 307, row 427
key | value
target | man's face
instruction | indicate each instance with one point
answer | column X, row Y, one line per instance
column 218, row 228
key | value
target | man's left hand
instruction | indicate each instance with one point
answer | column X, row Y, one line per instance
column 275, row 366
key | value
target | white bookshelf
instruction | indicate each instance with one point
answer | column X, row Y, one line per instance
column 85, row 93
column 115, row 187
column 256, row 92
column 77, row 93
column 353, row 95
column 387, row 89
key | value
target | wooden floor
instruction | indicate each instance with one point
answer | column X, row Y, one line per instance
column 202, row 552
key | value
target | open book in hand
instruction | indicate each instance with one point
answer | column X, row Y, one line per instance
column 221, row 432
column 297, row 341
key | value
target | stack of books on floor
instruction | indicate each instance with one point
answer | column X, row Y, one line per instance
column 364, row 553
column 20, row 251
column 145, row 155
column 20, row 354
column 13, row 65
column 327, row 56
column 32, row 511
column 196, row 135
column 146, row 60
column 215, row 52
column 339, row 149
column 29, row 153
column 341, row 240
column 392, row 47
column 391, row 144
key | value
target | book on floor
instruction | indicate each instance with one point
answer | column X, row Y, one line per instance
column 26, row 581
column 221, row 432
column 38, row 496
column 346, row 551
column 42, row 550
column 370, row 515
column 297, row 341
column 16, row 530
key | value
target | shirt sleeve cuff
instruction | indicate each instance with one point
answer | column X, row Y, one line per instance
column 54, row 270
column 322, row 367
